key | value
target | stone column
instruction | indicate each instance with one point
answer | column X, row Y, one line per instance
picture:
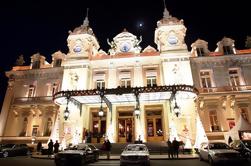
column 6, row 106
column 138, row 75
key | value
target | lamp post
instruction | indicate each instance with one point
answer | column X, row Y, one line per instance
column 137, row 110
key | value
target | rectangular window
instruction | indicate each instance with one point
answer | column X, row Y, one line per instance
column 206, row 81
column 125, row 82
column 31, row 91
column 57, row 63
column 200, row 52
column 54, row 88
column 214, row 121
column 151, row 81
column 100, row 84
column 227, row 50
column 36, row 65
column 234, row 78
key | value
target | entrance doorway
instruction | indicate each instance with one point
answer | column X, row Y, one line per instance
column 125, row 126
column 98, row 126
column 154, row 125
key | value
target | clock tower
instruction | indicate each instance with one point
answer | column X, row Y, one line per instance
column 170, row 33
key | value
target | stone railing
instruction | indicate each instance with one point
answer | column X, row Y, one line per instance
column 225, row 89
column 33, row 100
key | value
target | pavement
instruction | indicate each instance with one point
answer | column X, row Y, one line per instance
column 117, row 157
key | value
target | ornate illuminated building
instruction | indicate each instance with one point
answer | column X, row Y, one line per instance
column 129, row 91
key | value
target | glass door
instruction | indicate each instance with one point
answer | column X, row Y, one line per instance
column 98, row 128
column 125, row 127
column 154, row 126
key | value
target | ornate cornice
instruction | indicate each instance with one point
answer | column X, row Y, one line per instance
column 231, row 61
column 51, row 73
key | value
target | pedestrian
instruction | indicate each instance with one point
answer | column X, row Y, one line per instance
column 175, row 148
column 39, row 147
column 169, row 149
column 129, row 139
column 50, row 148
column 56, row 146
column 107, row 148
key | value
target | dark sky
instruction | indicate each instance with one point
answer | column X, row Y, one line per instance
column 28, row 27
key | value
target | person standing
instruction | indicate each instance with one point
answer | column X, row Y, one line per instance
column 175, row 148
column 50, row 148
column 56, row 146
column 169, row 148
column 108, row 148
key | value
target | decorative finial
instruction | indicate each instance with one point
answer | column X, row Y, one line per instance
column 86, row 21
column 125, row 30
column 166, row 12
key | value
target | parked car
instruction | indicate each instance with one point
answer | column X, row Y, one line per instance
column 219, row 152
column 77, row 155
column 135, row 154
column 14, row 150
column 244, row 147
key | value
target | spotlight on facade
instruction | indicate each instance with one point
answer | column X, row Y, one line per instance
column 66, row 113
column 176, row 109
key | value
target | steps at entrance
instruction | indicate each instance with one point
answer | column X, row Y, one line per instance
column 154, row 147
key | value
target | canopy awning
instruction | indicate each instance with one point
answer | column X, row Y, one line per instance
column 127, row 95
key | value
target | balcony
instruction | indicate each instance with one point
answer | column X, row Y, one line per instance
column 33, row 100
column 225, row 89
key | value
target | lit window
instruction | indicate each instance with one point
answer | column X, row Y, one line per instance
column 227, row 50
column 100, row 84
column 151, row 81
column 31, row 91
column 214, row 121
column 206, row 81
column 234, row 78
column 54, row 88
column 125, row 82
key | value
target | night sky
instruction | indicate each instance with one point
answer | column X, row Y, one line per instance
column 28, row 27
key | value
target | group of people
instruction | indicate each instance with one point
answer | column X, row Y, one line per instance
column 52, row 147
column 173, row 148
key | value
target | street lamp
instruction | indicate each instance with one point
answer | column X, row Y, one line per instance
column 66, row 113
column 101, row 111
column 137, row 111
column 176, row 109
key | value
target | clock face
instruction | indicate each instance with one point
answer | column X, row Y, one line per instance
column 125, row 47
column 172, row 40
column 77, row 49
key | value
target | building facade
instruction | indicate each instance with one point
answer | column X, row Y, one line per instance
column 77, row 78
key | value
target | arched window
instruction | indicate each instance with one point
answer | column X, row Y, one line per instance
column 24, row 129
column 48, row 127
